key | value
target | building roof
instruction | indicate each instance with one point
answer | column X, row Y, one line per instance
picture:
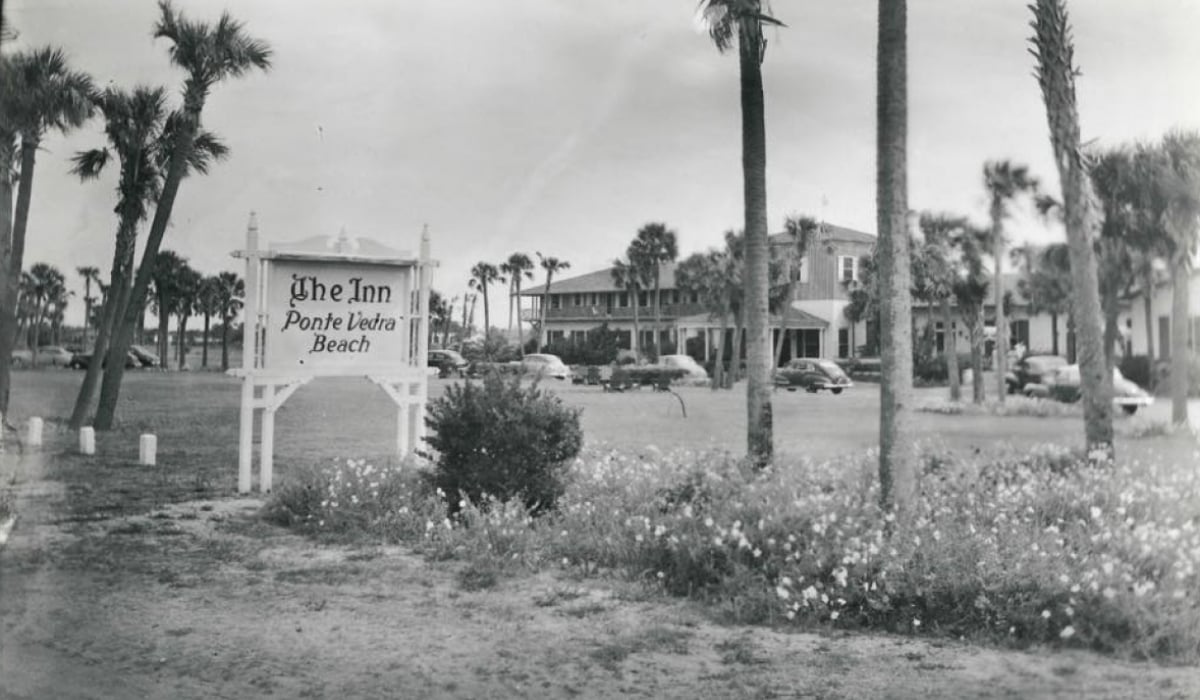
column 793, row 318
column 602, row 281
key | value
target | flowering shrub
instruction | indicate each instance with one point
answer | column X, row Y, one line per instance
column 501, row 439
column 1022, row 547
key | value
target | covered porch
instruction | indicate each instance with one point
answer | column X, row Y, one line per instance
column 803, row 334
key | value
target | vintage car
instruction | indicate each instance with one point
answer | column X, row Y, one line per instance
column 544, row 365
column 448, row 362
column 812, row 375
column 1063, row 384
column 1032, row 369
column 687, row 363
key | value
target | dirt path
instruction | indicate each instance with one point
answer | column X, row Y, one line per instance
column 200, row 600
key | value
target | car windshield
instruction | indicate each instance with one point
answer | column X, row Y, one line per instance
column 830, row 367
column 1042, row 364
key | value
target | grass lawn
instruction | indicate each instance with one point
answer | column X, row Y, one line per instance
column 124, row 581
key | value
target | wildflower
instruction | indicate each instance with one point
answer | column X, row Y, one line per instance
column 810, row 593
column 916, row 622
column 1045, row 614
column 782, row 592
column 790, row 614
column 1067, row 632
column 708, row 522
column 834, row 615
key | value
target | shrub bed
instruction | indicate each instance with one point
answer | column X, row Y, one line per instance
column 1020, row 548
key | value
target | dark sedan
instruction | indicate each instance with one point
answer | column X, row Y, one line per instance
column 81, row 360
column 1032, row 369
column 812, row 376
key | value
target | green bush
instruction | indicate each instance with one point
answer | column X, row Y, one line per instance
column 501, row 440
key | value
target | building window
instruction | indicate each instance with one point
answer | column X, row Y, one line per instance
column 554, row 336
column 939, row 337
column 695, row 297
column 623, row 300
column 643, row 299
column 555, row 301
column 847, row 268
column 843, row 342
column 578, row 336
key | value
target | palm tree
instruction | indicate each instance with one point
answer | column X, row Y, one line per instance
column 714, row 279
column 551, row 265
column 44, row 285
column 1055, row 71
column 133, row 124
column 209, row 54
column 483, row 275
column 38, row 93
column 169, row 272
column 939, row 273
column 801, row 230
column 654, row 246
column 187, row 301
column 630, row 276
column 1154, row 243
column 1004, row 182
column 231, row 293
column 970, row 294
column 1180, row 180
column 897, row 452
column 1046, row 283
column 208, row 305
column 90, row 274
column 743, row 20
column 517, row 266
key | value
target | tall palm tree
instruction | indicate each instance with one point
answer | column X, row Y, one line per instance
column 1055, row 71
column 231, row 294
column 208, row 54
column 1004, row 182
column 801, row 231
column 654, row 246
column 90, row 274
column 1180, row 179
column 44, row 286
column 631, row 276
column 518, row 266
column 483, row 275
column 39, row 93
column 741, row 22
column 1046, row 283
column 1155, row 242
column 551, row 265
column 133, row 122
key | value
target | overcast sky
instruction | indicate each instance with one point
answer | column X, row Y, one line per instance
column 562, row 126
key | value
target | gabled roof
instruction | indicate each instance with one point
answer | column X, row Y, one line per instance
column 602, row 281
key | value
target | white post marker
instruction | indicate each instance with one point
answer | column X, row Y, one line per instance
column 148, row 450
column 249, row 355
column 87, row 440
column 34, row 436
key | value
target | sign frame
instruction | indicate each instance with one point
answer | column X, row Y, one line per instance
column 405, row 381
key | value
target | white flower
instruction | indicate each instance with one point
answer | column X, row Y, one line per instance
column 1045, row 614
column 834, row 615
column 783, row 592
column 1067, row 632
column 810, row 593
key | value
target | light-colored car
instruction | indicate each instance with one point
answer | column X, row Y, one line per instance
column 686, row 363
column 545, row 365
column 812, row 375
column 1063, row 383
column 53, row 356
column 22, row 357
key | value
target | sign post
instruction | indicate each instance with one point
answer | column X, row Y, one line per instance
column 327, row 307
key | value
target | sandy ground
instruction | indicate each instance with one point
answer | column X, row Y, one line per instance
column 201, row 600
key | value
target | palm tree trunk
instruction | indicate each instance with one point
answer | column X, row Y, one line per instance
column 14, row 243
column 1056, row 76
column 897, row 451
column 1112, row 309
column 1053, row 333
column 181, row 340
column 486, row 319
column 204, row 350
column 791, row 294
column 164, row 335
column 718, row 378
column 1001, row 364
column 520, row 331
column 225, row 321
column 759, row 417
column 1180, row 381
column 950, row 347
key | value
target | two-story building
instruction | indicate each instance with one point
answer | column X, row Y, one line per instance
column 814, row 323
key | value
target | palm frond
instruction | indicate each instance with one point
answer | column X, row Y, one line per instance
column 88, row 164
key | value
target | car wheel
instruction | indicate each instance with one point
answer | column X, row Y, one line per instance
column 1130, row 410
column 835, row 391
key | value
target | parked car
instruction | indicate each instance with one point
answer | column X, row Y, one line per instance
column 692, row 369
column 812, row 375
column 21, row 357
column 1032, row 369
column 81, row 360
column 145, row 356
column 448, row 362
column 53, row 356
column 545, row 365
column 1063, row 384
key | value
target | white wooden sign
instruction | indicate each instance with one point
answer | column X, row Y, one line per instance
column 331, row 307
